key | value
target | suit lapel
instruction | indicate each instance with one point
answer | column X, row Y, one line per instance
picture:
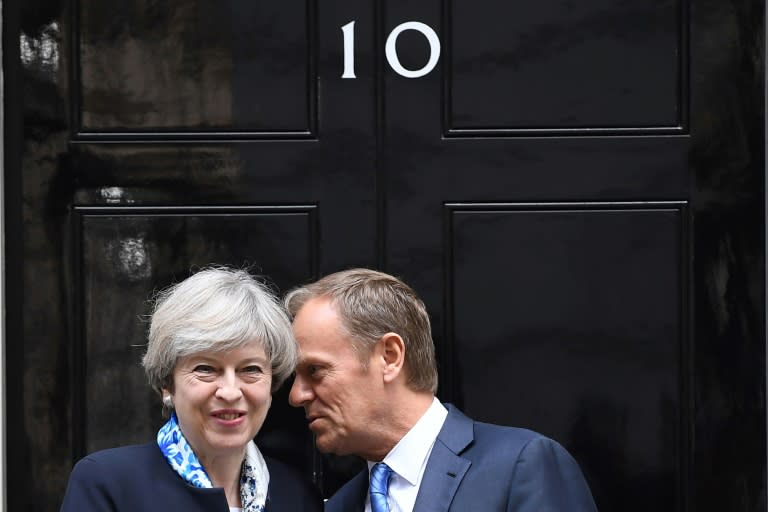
column 445, row 468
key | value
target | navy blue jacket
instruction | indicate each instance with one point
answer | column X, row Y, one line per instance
column 488, row 468
column 138, row 478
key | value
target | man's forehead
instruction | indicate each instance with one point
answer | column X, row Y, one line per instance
column 316, row 309
column 317, row 320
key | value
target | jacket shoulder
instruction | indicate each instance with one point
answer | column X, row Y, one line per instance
column 463, row 435
column 519, row 469
column 113, row 478
column 118, row 460
column 515, row 435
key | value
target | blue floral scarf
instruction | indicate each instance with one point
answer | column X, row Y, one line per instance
column 254, row 477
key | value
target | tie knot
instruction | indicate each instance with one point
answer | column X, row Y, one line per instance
column 380, row 474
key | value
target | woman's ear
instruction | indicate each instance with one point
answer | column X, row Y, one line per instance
column 167, row 398
column 393, row 354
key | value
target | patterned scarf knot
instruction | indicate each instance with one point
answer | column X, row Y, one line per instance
column 254, row 475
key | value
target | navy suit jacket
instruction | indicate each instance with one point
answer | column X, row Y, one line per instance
column 138, row 478
column 478, row 466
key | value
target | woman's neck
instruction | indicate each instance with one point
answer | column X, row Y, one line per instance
column 224, row 471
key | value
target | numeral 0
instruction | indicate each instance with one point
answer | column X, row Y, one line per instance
column 390, row 49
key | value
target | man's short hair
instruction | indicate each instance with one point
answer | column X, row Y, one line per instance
column 370, row 304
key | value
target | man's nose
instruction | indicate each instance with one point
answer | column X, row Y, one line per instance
column 300, row 393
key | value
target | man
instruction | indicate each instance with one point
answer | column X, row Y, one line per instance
column 367, row 378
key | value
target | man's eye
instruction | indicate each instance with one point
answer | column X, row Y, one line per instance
column 309, row 371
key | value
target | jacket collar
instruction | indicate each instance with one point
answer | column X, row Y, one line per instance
column 445, row 467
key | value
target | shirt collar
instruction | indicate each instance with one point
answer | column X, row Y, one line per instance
column 409, row 455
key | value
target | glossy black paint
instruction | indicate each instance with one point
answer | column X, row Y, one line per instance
column 557, row 64
column 576, row 191
column 128, row 252
column 602, row 303
column 500, row 162
column 231, row 67
column 728, row 203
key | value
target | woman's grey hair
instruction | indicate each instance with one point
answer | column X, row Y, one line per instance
column 217, row 309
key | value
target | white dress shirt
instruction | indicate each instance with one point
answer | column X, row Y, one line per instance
column 408, row 459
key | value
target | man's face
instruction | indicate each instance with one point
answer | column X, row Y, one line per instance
column 340, row 397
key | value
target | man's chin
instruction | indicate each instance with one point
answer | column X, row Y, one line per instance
column 331, row 445
column 325, row 445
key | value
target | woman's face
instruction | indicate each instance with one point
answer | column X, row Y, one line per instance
column 222, row 398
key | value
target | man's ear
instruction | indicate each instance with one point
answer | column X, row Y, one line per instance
column 393, row 353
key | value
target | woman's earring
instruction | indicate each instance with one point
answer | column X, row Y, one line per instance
column 168, row 401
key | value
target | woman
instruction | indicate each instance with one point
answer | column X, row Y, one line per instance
column 219, row 345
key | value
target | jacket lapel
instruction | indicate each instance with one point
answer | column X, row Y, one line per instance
column 445, row 468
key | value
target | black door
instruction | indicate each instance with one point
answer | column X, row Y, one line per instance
column 575, row 188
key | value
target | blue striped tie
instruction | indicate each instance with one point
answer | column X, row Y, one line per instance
column 380, row 474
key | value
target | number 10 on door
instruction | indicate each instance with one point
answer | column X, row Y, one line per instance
column 390, row 49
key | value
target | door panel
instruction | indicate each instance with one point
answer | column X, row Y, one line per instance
column 585, row 311
column 127, row 252
column 563, row 66
column 196, row 66
column 576, row 190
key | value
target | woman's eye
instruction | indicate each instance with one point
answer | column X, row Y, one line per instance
column 204, row 368
column 252, row 369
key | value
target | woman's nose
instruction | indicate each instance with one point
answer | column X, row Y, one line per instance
column 229, row 387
